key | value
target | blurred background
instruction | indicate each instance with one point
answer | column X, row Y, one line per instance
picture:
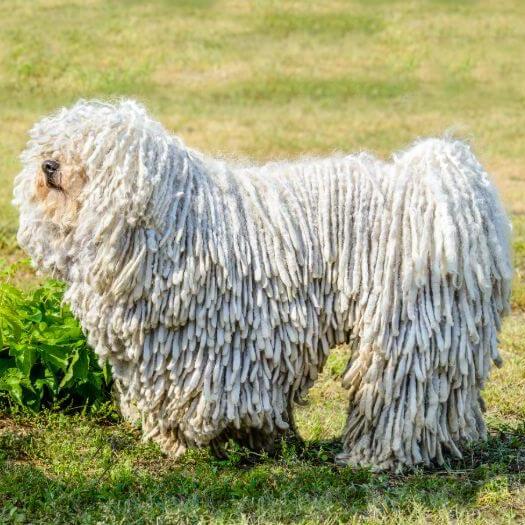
column 271, row 79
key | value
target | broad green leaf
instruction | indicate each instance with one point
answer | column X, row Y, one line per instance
column 46, row 381
column 25, row 360
column 14, row 324
column 68, row 376
column 55, row 356
column 106, row 372
column 11, row 382
column 82, row 365
column 35, row 316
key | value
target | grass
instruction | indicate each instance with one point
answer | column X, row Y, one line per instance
column 267, row 80
column 77, row 469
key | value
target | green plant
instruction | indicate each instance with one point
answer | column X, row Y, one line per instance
column 44, row 357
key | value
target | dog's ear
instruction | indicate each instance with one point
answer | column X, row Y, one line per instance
column 139, row 198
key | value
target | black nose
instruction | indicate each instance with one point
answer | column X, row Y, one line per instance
column 49, row 167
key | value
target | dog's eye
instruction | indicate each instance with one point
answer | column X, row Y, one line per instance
column 50, row 168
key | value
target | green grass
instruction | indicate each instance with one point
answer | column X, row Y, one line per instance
column 271, row 79
column 74, row 469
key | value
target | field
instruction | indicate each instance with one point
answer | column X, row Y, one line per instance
column 268, row 80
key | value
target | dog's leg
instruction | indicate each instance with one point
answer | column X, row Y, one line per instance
column 128, row 408
column 412, row 400
column 170, row 438
column 258, row 440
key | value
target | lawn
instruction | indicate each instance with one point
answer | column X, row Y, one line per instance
column 263, row 80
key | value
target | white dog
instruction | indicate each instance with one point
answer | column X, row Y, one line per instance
column 216, row 291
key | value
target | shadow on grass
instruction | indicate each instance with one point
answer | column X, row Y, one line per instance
column 124, row 480
column 505, row 446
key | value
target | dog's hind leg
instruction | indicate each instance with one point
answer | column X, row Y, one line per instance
column 418, row 396
column 394, row 412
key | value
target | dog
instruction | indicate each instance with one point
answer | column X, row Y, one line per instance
column 216, row 290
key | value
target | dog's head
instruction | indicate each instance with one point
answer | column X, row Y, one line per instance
column 87, row 171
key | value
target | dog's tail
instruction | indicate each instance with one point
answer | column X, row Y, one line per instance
column 466, row 231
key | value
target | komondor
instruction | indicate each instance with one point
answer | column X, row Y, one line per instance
column 216, row 291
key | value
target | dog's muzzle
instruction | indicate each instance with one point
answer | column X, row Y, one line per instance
column 50, row 169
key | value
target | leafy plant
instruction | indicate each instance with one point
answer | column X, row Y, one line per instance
column 44, row 356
